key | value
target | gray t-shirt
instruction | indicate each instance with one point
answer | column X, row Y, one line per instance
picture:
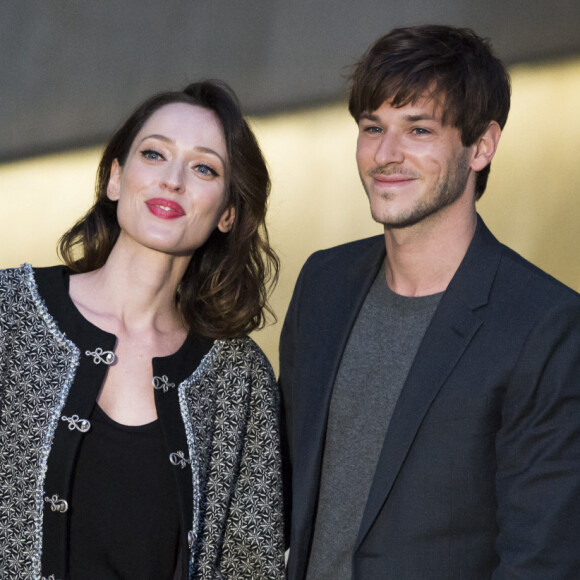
column 373, row 369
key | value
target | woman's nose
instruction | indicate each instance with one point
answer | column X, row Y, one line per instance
column 173, row 178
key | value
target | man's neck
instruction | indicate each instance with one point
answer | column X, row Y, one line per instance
column 423, row 258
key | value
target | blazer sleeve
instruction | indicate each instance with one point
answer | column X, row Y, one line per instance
column 287, row 352
column 538, row 455
column 253, row 547
column 286, row 376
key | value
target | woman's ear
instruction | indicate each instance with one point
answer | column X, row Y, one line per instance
column 114, row 185
column 486, row 146
column 227, row 219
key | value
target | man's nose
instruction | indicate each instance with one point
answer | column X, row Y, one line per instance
column 389, row 149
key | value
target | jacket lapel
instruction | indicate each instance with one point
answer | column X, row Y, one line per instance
column 330, row 320
column 451, row 330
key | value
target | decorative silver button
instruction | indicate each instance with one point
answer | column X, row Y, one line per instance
column 102, row 356
column 178, row 459
column 57, row 504
column 190, row 539
column 162, row 383
column 75, row 422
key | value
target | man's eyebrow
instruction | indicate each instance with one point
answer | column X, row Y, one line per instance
column 368, row 117
column 421, row 117
column 410, row 118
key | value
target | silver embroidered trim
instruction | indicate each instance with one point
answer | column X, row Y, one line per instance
column 51, row 577
column 75, row 422
column 57, row 504
column 178, row 459
column 74, row 354
column 186, row 415
column 162, row 383
column 102, row 356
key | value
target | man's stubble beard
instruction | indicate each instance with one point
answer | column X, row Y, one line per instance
column 448, row 190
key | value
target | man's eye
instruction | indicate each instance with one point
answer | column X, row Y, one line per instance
column 421, row 131
column 151, row 154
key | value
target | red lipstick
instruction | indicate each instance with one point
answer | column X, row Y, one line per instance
column 165, row 208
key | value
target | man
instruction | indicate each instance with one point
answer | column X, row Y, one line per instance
column 431, row 376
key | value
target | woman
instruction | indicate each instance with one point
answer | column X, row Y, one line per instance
column 138, row 428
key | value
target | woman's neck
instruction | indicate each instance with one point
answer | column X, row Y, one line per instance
column 134, row 290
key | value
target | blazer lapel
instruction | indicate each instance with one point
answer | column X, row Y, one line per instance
column 452, row 328
column 330, row 322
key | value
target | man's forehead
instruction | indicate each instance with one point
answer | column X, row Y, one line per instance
column 425, row 107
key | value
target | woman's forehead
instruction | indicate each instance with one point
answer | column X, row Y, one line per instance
column 187, row 125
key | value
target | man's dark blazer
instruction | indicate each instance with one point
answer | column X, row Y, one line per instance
column 479, row 475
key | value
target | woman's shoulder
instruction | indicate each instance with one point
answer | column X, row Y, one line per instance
column 18, row 296
column 26, row 273
column 24, row 292
column 11, row 273
column 16, row 280
column 242, row 354
column 25, row 282
column 243, row 346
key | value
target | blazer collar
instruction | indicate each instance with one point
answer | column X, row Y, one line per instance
column 474, row 278
column 452, row 327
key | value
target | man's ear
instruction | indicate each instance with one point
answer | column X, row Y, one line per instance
column 114, row 185
column 486, row 146
column 227, row 219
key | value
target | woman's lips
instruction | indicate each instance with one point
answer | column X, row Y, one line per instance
column 165, row 208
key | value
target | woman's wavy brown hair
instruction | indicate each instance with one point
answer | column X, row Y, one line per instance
column 224, row 290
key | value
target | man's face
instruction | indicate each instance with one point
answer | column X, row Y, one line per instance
column 411, row 165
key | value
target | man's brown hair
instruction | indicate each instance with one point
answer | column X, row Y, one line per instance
column 454, row 66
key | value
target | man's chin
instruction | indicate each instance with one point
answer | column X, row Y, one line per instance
column 399, row 221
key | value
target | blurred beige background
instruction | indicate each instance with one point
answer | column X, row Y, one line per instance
column 531, row 202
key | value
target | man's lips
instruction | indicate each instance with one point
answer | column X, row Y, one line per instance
column 165, row 208
column 393, row 179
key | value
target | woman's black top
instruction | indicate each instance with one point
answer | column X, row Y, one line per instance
column 129, row 504
column 125, row 521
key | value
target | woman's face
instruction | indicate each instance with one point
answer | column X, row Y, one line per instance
column 172, row 188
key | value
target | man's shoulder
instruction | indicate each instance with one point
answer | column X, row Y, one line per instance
column 493, row 271
column 536, row 281
column 343, row 254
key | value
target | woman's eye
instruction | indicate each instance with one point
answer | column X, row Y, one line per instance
column 152, row 155
column 206, row 170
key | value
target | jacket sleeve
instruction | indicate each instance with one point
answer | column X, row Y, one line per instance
column 285, row 384
column 6, row 298
column 253, row 542
column 2, row 366
column 538, row 455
